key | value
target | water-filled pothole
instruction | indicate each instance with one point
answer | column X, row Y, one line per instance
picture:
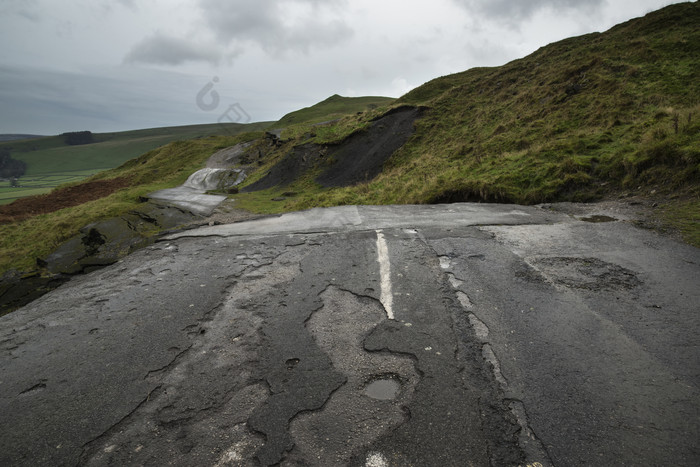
column 385, row 389
column 597, row 219
column 291, row 363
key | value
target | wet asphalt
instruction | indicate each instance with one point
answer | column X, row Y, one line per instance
column 366, row 336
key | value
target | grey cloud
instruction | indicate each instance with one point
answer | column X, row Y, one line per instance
column 161, row 49
column 108, row 5
column 28, row 9
column 267, row 23
column 128, row 3
column 50, row 102
column 514, row 11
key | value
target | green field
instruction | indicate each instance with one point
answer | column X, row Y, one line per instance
column 41, row 183
column 50, row 162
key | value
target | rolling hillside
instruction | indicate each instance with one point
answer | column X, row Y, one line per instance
column 51, row 162
column 598, row 116
column 613, row 115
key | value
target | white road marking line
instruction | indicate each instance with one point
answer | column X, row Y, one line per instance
column 376, row 459
column 386, row 297
column 481, row 330
column 464, row 300
column 444, row 262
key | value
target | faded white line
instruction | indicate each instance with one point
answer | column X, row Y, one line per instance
column 490, row 356
column 444, row 262
column 376, row 459
column 386, row 297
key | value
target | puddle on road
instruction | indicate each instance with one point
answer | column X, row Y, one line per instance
column 383, row 389
column 597, row 219
column 291, row 363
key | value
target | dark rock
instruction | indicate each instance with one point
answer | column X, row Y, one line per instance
column 93, row 240
column 17, row 290
column 97, row 245
column 274, row 137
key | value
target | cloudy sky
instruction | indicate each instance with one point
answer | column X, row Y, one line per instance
column 110, row 65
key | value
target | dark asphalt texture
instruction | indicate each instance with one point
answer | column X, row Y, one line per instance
column 520, row 336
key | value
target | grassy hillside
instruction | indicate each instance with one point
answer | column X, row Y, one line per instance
column 601, row 115
column 158, row 165
column 167, row 166
column 604, row 115
column 575, row 120
column 332, row 108
column 51, row 162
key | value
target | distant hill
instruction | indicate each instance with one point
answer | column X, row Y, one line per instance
column 333, row 107
column 51, row 161
column 15, row 137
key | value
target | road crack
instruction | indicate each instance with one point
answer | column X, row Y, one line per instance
column 175, row 360
column 107, row 433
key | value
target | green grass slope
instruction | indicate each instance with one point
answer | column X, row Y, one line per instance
column 167, row 166
column 334, row 107
column 573, row 121
column 51, row 162
column 590, row 117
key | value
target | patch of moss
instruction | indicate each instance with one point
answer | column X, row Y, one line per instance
column 685, row 216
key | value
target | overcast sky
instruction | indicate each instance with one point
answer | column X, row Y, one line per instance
column 109, row 65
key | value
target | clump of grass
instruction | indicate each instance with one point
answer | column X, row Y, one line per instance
column 685, row 217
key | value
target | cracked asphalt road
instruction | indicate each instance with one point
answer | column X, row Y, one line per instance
column 520, row 336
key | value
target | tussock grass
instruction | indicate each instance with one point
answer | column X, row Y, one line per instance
column 685, row 217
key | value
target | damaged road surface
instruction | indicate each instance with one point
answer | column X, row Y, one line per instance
column 366, row 336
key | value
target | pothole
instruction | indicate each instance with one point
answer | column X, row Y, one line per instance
column 385, row 388
column 596, row 219
column 587, row 273
column 291, row 363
